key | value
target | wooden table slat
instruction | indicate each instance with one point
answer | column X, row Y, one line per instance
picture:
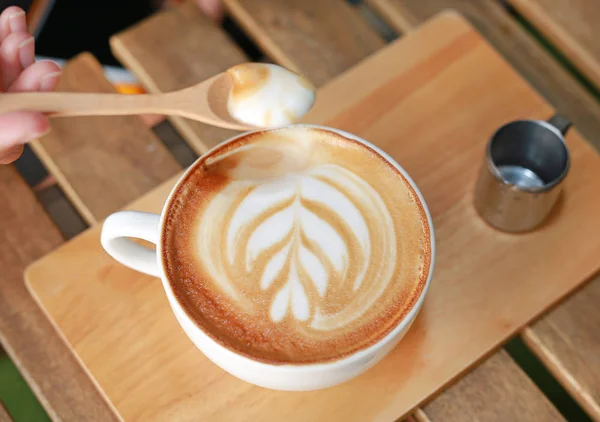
column 174, row 49
column 101, row 163
column 4, row 416
column 496, row 390
column 521, row 50
column 567, row 340
column 49, row 366
column 317, row 38
column 571, row 25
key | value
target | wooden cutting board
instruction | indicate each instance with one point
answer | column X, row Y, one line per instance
column 431, row 100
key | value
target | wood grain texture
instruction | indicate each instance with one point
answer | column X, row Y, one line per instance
column 496, row 391
column 61, row 211
column 567, row 340
column 570, row 348
column 521, row 50
column 502, row 282
column 175, row 49
column 317, row 38
column 48, row 365
column 571, row 25
column 4, row 416
column 101, row 163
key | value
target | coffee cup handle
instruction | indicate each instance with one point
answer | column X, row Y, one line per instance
column 120, row 226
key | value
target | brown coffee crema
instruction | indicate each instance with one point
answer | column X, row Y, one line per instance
column 296, row 246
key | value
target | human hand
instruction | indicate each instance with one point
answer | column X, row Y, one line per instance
column 20, row 73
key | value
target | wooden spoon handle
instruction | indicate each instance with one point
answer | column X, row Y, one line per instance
column 81, row 104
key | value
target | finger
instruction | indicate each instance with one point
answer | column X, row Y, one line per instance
column 11, row 154
column 41, row 76
column 20, row 127
column 16, row 54
column 12, row 20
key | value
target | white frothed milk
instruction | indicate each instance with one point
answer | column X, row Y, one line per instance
column 267, row 95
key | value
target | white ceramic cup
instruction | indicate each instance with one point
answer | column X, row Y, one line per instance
column 121, row 225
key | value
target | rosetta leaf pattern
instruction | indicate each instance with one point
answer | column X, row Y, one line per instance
column 299, row 243
column 315, row 252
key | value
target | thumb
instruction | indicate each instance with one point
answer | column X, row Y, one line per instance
column 18, row 128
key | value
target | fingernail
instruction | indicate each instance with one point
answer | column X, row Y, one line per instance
column 27, row 57
column 17, row 25
column 48, row 82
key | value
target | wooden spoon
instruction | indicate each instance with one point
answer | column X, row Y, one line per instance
column 205, row 102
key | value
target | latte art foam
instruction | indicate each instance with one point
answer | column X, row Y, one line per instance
column 296, row 245
column 305, row 241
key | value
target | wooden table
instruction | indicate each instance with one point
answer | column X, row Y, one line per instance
column 177, row 47
column 572, row 26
